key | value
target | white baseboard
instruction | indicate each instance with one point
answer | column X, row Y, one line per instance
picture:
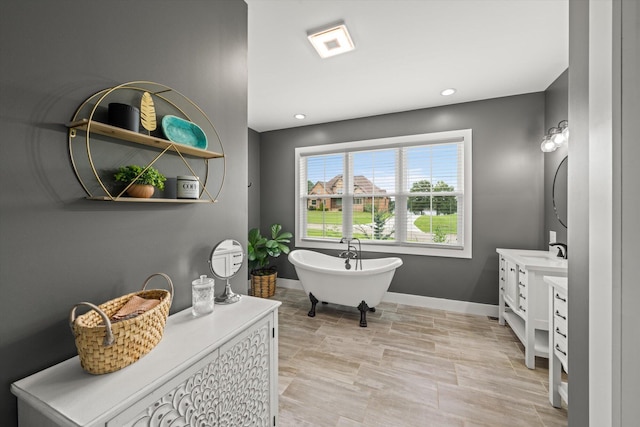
column 420, row 301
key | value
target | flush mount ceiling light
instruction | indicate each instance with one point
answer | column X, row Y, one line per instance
column 331, row 40
column 448, row 92
column 555, row 137
column 299, row 116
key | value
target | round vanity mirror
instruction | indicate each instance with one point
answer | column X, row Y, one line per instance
column 225, row 262
column 559, row 192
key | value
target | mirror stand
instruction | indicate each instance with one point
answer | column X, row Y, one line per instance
column 225, row 262
column 228, row 296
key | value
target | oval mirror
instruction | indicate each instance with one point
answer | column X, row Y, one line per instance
column 559, row 191
column 226, row 259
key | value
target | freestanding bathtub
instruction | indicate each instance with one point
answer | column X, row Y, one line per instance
column 325, row 278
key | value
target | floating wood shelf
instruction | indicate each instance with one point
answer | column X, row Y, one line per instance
column 139, row 138
column 150, row 200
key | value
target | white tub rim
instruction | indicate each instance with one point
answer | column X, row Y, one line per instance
column 391, row 264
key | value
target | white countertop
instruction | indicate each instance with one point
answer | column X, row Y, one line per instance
column 544, row 261
column 560, row 283
column 68, row 390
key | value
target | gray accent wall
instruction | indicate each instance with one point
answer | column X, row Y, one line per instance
column 56, row 248
column 627, row 298
column 508, row 187
column 556, row 106
column 254, row 179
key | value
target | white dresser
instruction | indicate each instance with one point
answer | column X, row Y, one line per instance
column 522, row 297
column 215, row 370
column 558, row 339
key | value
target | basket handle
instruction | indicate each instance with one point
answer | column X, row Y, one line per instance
column 168, row 281
column 108, row 338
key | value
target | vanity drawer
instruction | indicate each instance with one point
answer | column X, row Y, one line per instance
column 560, row 311
column 560, row 303
column 560, row 331
column 561, row 349
column 522, row 299
column 523, row 279
column 560, row 327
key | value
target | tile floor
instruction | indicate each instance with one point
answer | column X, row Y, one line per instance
column 411, row 366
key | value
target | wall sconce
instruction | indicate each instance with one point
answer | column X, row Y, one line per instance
column 555, row 137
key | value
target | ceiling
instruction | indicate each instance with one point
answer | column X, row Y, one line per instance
column 407, row 52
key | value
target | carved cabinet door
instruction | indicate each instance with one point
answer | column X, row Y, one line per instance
column 246, row 379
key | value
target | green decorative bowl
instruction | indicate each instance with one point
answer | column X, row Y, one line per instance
column 184, row 132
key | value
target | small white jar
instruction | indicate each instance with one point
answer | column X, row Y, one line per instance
column 202, row 296
column 187, row 187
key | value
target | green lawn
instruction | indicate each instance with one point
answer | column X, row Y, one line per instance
column 447, row 223
column 335, row 217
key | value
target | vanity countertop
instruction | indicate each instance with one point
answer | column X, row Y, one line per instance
column 560, row 283
column 544, row 261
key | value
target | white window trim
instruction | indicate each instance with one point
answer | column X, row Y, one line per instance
column 465, row 251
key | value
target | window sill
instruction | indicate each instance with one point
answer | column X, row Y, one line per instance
column 396, row 249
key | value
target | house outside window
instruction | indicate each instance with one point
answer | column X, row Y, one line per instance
column 409, row 194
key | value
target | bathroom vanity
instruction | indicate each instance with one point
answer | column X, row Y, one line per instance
column 216, row 370
column 523, row 301
column 558, row 339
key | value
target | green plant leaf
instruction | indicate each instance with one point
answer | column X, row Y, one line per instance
column 260, row 248
column 140, row 175
column 275, row 229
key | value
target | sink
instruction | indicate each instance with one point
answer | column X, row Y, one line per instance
column 544, row 256
column 548, row 261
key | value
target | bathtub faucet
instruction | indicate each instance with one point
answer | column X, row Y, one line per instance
column 351, row 253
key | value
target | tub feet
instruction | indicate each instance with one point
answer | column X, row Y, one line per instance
column 363, row 307
column 314, row 301
column 372, row 309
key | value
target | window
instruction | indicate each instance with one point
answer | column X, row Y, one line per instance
column 409, row 194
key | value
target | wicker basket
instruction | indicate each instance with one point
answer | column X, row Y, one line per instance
column 104, row 347
column 263, row 286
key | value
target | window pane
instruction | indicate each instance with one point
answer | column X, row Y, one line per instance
column 324, row 180
column 374, row 172
column 324, row 174
column 324, row 220
column 432, row 165
column 427, row 226
column 374, row 219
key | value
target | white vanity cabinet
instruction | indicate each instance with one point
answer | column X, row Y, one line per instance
column 558, row 339
column 215, row 370
column 522, row 297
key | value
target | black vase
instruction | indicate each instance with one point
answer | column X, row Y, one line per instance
column 124, row 116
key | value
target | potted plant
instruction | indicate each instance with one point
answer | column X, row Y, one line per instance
column 260, row 250
column 140, row 181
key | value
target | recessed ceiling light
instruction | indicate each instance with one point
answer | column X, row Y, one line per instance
column 300, row 116
column 448, row 92
column 331, row 40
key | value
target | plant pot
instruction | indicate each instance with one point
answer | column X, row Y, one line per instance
column 141, row 191
column 263, row 286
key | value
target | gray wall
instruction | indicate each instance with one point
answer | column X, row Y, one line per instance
column 556, row 106
column 56, row 248
column 628, row 375
column 254, row 179
column 508, row 186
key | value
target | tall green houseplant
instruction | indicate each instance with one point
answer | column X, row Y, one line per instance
column 261, row 249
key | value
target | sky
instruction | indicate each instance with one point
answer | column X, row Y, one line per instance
column 436, row 162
